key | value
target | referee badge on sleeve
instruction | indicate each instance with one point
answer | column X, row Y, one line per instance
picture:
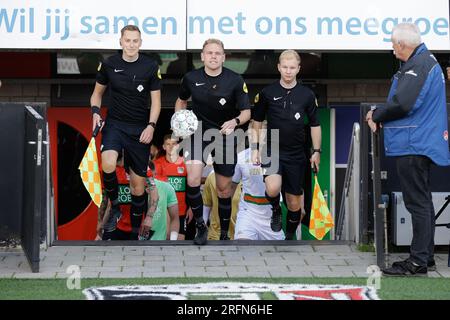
column 99, row 66
column 159, row 74
column 257, row 98
column 244, row 88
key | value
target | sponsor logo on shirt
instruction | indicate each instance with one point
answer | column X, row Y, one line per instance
column 124, row 194
column 178, row 183
column 257, row 171
column 411, row 72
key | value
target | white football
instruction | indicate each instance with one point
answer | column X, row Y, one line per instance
column 184, row 123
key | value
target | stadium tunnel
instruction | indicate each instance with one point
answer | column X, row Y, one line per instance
column 332, row 76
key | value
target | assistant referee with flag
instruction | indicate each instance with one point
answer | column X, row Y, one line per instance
column 133, row 78
column 286, row 103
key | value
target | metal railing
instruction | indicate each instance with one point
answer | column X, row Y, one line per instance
column 348, row 219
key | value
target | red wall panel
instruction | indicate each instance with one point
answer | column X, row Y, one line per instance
column 25, row 65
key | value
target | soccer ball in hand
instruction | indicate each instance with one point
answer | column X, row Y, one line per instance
column 184, row 123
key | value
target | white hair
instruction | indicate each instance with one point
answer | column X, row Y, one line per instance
column 407, row 33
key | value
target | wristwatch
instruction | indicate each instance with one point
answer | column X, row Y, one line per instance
column 317, row 150
column 238, row 122
column 151, row 123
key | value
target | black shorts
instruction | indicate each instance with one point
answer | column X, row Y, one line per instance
column 291, row 170
column 117, row 136
column 223, row 152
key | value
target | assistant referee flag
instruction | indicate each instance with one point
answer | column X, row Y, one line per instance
column 320, row 221
column 90, row 173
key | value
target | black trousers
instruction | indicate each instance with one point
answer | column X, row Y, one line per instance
column 414, row 176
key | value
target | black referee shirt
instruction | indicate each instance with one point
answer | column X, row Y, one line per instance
column 130, row 84
column 286, row 110
column 217, row 99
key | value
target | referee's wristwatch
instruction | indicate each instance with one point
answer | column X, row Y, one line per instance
column 238, row 122
column 316, row 150
column 151, row 123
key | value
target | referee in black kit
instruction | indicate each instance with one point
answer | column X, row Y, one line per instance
column 220, row 102
column 133, row 78
column 286, row 103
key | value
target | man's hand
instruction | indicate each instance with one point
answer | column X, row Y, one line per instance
column 96, row 121
column 147, row 224
column 189, row 215
column 315, row 160
column 228, row 127
column 372, row 125
column 145, row 232
column 147, row 135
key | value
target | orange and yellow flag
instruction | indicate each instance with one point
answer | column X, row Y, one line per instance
column 90, row 173
column 320, row 221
